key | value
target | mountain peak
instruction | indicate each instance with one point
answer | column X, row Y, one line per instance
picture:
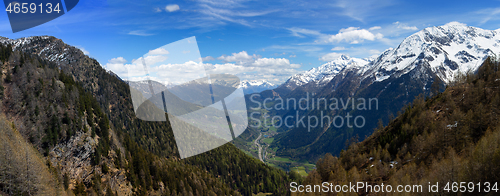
column 456, row 24
column 256, row 86
column 323, row 74
column 344, row 57
column 446, row 50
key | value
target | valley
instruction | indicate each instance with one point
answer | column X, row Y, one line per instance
column 403, row 116
column 452, row 136
column 80, row 122
column 422, row 64
column 260, row 149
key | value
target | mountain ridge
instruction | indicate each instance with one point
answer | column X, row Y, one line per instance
column 452, row 136
column 256, row 86
column 101, row 102
column 449, row 44
column 324, row 73
column 443, row 47
column 435, row 55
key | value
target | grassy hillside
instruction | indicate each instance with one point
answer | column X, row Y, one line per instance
column 452, row 137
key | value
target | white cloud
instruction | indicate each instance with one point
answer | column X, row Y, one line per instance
column 240, row 57
column 179, row 73
column 244, row 59
column 208, row 58
column 488, row 14
column 274, row 63
column 362, row 9
column 338, row 48
column 405, row 26
column 85, row 52
column 293, row 56
column 139, row 33
column 455, row 23
column 222, row 3
column 156, row 9
column 374, row 28
column 164, row 73
column 186, row 51
column 117, row 60
column 117, row 65
column 150, row 60
column 172, row 7
column 300, row 32
column 312, row 50
column 374, row 52
column 354, row 35
column 158, row 51
column 330, row 56
column 219, row 13
column 135, row 68
column 274, row 70
column 242, row 64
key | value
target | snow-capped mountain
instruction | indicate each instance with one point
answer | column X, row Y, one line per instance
column 326, row 72
column 446, row 50
column 44, row 46
column 395, row 79
column 256, row 86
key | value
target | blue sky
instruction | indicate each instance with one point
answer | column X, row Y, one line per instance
column 256, row 39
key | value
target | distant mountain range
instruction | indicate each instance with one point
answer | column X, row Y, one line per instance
column 434, row 54
column 143, row 87
column 458, row 127
column 256, row 86
column 323, row 74
column 447, row 50
column 249, row 86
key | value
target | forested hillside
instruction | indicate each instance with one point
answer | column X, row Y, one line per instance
column 395, row 77
column 80, row 118
column 24, row 170
column 451, row 137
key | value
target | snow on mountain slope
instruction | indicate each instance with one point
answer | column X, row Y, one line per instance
column 447, row 49
column 47, row 47
column 254, row 86
column 326, row 72
column 143, row 87
column 394, row 78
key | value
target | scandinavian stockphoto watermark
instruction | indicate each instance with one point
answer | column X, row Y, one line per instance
column 304, row 118
column 360, row 187
column 369, row 187
column 204, row 108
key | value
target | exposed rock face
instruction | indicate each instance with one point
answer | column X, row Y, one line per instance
column 71, row 148
column 74, row 157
